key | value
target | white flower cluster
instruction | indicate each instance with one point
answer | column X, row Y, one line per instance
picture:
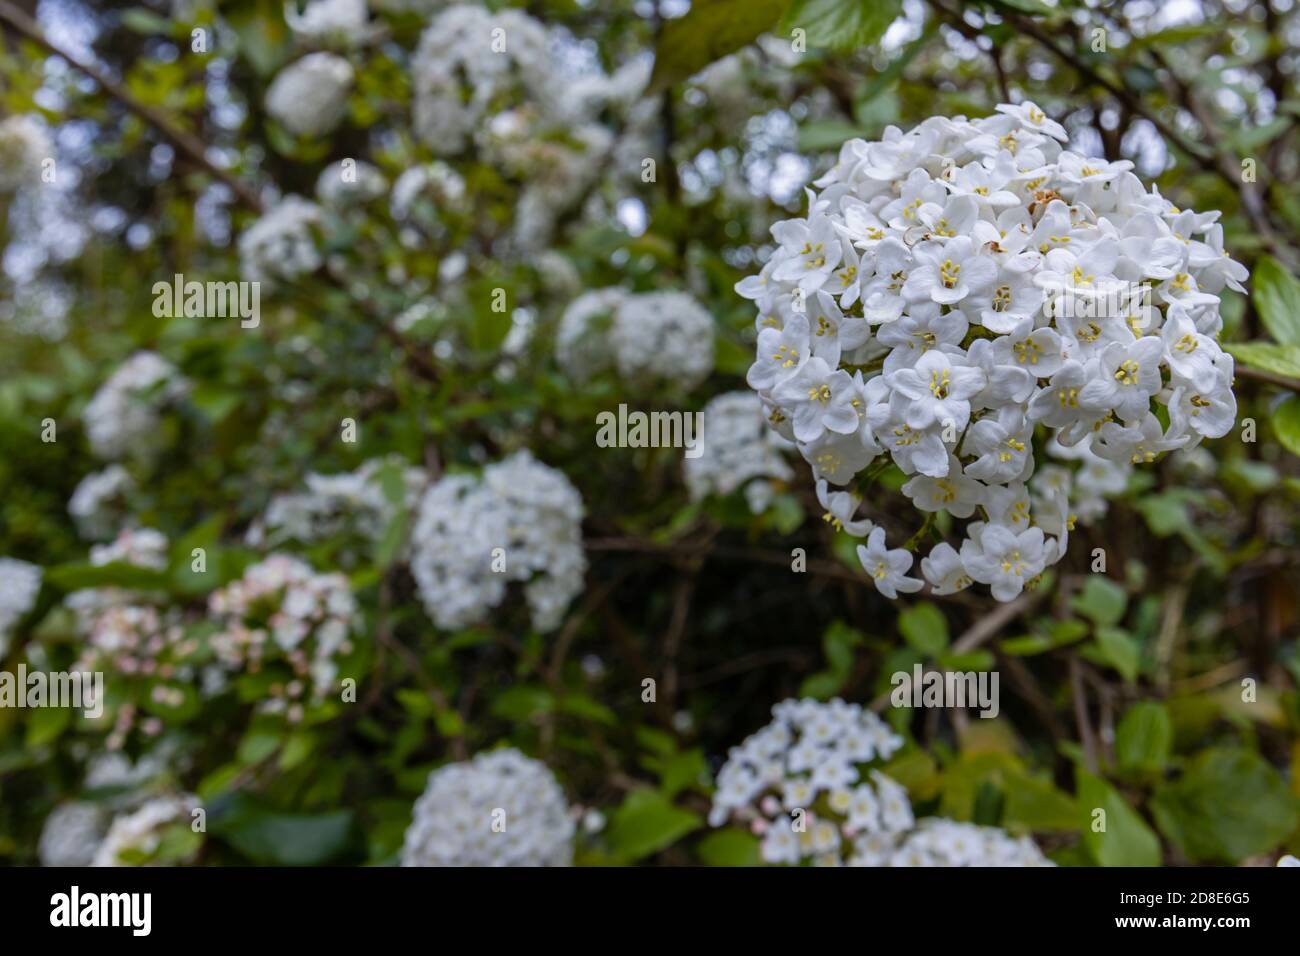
column 940, row 842
column 800, row 784
column 135, row 838
column 24, row 145
column 282, row 610
column 496, row 81
column 20, row 582
column 739, row 451
column 955, row 287
column 651, row 339
column 340, row 185
column 123, row 415
column 71, row 834
column 499, row 809
column 282, row 244
column 349, row 503
column 341, row 22
column 98, row 504
column 309, row 97
column 142, row 547
column 529, row 514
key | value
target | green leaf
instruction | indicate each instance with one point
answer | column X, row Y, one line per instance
column 1033, row 803
column 1115, row 647
column 1279, row 359
column 1126, row 840
column 826, row 135
column 1277, row 300
column 46, row 725
column 841, row 24
column 1230, row 804
column 523, row 703
column 728, row 848
column 1286, row 423
column 1101, row 601
column 708, row 32
column 646, row 823
column 282, row 839
column 1144, row 737
column 118, row 574
column 924, row 627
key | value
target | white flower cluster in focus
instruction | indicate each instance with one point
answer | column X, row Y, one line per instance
column 499, row 809
column 651, row 339
column 739, row 451
column 803, row 785
column 282, row 610
column 309, row 97
column 135, row 838
column 123, row 415
column 282, row 244
column 958, row 294
column 20, row 582
column 24, row 145
column 529, row 511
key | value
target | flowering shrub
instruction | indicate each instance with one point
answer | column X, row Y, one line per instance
column 313, row 321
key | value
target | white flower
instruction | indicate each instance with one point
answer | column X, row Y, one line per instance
column 582, row 342
column 24, row 145
column 71, row 834
column 98, row 502
column 310, row 96
column 840, row 506
column 282, row 244
column 20, row 582
column 124, row 413
column 498, row 809
column 938, row 388
column 1004, row 559
column 887, row 568
column 335, row 21
column 663, row 338
column 738, row 449
column 522, row 522
column 810, row 749
column 140, row 832
column 341, row 184
column 820, row 398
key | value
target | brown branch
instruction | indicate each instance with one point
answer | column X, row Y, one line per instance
column 183, row 141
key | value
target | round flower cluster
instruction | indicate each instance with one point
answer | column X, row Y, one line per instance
column 352, row 503
column 309, row 97
column 739, row 450
column 123, row 415
column 652, row 339
column 282, row 244
column 521, row 522
column 961, row 293
column 504, row 84
column 24, row 145
column 160, row 832
column 800, row 784
column 282, row 610
column 499, row 809
column 940, row 842
column 71, row 834
column 340, row 185
column 20, row 582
